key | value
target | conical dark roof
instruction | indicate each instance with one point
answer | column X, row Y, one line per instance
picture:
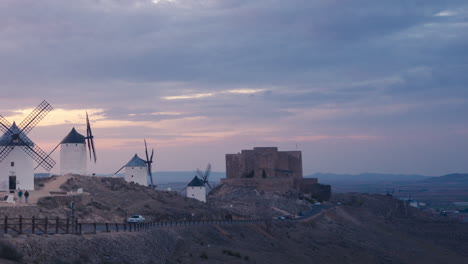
column 74, row 138
column 136, row 162
column 7, row 138
column 196, row 182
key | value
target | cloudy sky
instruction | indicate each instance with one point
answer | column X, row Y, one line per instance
column 358, row 85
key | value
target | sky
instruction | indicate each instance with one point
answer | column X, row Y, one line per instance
column 357, row 86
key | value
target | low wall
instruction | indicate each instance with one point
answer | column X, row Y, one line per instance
column 269, row 185
column 305, row 185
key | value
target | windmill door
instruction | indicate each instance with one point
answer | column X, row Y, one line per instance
column 12, row 183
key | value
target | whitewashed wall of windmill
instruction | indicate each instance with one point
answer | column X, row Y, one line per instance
column 137, row 175
column 21, row 165
column 73, row 158
column 197, row 192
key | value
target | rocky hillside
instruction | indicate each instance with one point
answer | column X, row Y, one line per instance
column 254, row 204
column 112, row 200
column 364, row 229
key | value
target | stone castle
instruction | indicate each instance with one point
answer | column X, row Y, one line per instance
column 267, row 169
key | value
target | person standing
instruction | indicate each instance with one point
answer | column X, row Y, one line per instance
column 20, row 195
column 26, row 196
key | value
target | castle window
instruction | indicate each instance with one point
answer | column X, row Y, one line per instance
column 12, row 164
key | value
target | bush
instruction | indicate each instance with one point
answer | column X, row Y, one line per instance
column 231, row 253
column 204, row 255
column 8, row 251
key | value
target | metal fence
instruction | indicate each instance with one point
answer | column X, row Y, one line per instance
column 35, row 225
column 56, row 225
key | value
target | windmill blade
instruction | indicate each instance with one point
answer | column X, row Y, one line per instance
column 207, row 183
column 146, row 151
column 4, row 124
column 4, row 151
column 200, row 174
column 183, row 190
column 119, row 170
column 94, row 150
column 37, row 154
column 35, row 117
column 48, row 155
column 90, row 140
column 148, row 162
column 5, row 148
column 207, row 172
column 150, row 173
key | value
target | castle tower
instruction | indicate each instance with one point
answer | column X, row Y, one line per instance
column 196, row 189
column 17, row 169
column 73, row 154
column 136, row 171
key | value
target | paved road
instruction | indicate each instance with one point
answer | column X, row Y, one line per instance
column 314, row 210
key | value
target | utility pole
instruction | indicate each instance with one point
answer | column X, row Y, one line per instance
column 72, row 207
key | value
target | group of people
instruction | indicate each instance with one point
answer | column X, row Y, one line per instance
column 26, row 196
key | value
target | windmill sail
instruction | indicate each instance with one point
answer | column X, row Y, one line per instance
column 17, row 136
column 149, row 161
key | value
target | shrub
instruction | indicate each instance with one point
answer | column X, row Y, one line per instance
column 8, row 251
column 204, row 255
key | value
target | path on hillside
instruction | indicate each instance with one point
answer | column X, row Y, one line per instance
column 53, row 185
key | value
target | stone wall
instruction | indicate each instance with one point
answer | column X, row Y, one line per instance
column 268, row 185
column 305, row 185
column 264, row 162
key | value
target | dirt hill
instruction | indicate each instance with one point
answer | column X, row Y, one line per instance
column 110, row 199
column 364, row 229
column 254, row 204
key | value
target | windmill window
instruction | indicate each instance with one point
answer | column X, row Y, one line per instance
column 76, row 145
column 66, row 145
column 12, row 164
column 132, row 176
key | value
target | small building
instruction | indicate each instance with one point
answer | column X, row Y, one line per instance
column 136, row 171
column 73, row 154
column 196, row 189
column 17, row 168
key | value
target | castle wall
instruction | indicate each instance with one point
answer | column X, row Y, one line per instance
column 233, row 166
column 247, row 164
column 265, row 161
column 267, row 169
column 269, row 184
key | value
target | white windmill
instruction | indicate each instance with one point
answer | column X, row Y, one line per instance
column 196, row 188
column 18, row 152
column 138, row 170
column 73, row 154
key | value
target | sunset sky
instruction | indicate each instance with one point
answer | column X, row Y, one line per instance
column 358, row 86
